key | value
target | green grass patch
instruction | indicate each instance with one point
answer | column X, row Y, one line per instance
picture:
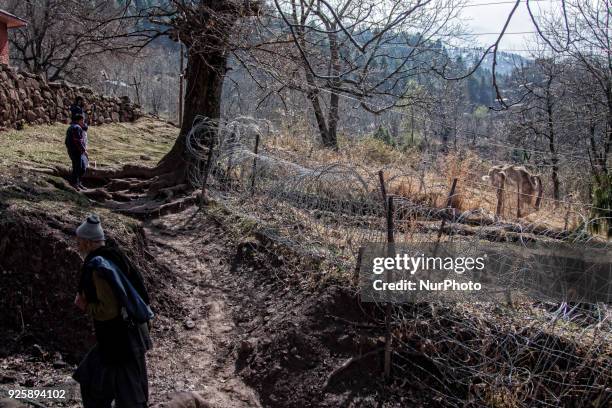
column 27, row 191
column 110, row 145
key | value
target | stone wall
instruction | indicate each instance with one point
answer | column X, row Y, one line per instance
column 28, row 98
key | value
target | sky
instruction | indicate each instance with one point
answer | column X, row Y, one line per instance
column 484, row 17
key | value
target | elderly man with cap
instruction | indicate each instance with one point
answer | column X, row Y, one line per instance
column 112, row 292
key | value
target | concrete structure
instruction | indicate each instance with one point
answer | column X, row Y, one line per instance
column 7, row 21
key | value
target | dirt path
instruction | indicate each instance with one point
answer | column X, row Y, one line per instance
column 196, row 354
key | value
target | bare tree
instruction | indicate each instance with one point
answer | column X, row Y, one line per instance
column 62, row 35
column 205, row 28
column 539, row 115
column 581, row 32
column 366, row 50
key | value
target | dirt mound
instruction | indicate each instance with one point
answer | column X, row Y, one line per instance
column 297, row 334
column 308, row 360
column 39, row 270
column 311, row 343
column 39, row 275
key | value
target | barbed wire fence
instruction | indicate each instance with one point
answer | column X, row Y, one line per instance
column 468, row 353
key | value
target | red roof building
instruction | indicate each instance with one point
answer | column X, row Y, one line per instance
column 7, row 21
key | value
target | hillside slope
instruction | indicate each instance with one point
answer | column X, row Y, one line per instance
column 245, row 317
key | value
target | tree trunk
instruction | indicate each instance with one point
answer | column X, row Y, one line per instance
column 313, row 95
column 205, row 74
column 332, row 134
column 608, row 139
column 553, row 153
column 205, row 30
column 333, row 114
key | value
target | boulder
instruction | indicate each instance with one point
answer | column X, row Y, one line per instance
column 30, row 116
column 37, row 98
column 40, row 111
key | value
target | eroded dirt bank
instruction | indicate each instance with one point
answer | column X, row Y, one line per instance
column 243, row 320
column 42, row 334
column 233, row 323
column 262, row 308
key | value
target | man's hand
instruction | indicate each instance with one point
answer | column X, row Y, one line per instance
column 80, row 301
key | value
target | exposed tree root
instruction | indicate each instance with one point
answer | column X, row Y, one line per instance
column 146, row 208
column 106, row 175
column 139, row 191
column 130, row 177
column 101, row 194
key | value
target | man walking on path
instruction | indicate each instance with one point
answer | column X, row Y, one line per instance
column 76, row 143
column 112, row 292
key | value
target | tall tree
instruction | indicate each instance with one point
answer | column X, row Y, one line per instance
column 581, row 31
column 545, row 84
column 205, row 27
column 367, row 50
column 62, row 35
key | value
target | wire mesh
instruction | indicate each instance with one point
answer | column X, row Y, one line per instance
column 465, row 354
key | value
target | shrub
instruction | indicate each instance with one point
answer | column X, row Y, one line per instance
column 601, row 197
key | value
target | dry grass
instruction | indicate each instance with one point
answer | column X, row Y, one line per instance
column 368, row 152
column 40, row 146
column 109, row 145
column 429, row 186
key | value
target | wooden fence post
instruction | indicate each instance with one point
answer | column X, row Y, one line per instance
column 93, row 119
column 388, row 203
column 230, row 160
column 568, row 210
column 383, row 188
column 358, row 266
column 518, row 202
column 254, row 169
column 500, row 196
column 181, row 91
column 390, row 234
column 136, row 84
column 390, row 253
column 449, row 202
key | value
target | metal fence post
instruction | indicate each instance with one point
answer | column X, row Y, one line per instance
column 207, row 167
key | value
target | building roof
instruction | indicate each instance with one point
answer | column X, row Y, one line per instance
column 11, row 21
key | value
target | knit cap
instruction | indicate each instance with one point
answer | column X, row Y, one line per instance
column 91, row 229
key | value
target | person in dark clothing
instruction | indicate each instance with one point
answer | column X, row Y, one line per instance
column 78, row 108
column 115, row 368
column 76, row 143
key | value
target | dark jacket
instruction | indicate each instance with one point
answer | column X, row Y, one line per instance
column 75, row 141
column 131, row 272
column 119, row 339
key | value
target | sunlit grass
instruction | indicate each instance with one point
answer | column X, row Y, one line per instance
column 109, row 145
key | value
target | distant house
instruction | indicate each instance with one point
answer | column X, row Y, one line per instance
column 7, row 21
